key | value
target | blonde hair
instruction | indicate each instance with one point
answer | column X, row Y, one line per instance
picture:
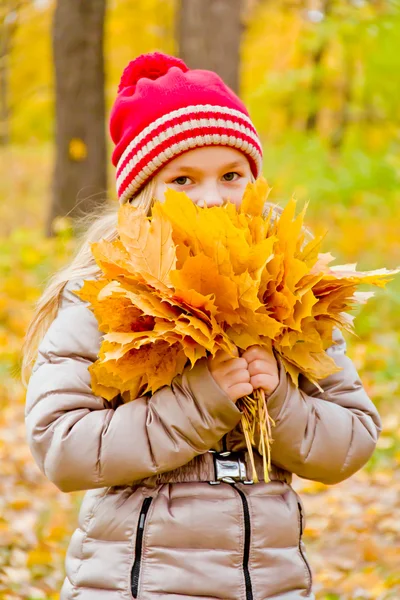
column 83, row 265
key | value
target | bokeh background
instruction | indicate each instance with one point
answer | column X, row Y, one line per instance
column 321, row 79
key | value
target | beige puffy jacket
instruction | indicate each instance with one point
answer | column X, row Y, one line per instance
column 151, row 526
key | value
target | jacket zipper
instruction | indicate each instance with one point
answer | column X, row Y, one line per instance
column 138, row 546
column 246, row 550
column 301, row 550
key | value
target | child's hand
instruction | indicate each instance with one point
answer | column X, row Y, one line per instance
column 263, row 368
column 231, row 374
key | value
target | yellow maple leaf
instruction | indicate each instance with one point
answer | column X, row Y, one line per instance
column 148, row 243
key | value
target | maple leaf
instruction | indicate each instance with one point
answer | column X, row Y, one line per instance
column 148, row 243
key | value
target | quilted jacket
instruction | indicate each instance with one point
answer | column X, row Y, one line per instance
column 150, row 525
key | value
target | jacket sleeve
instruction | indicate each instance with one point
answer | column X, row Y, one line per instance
column 326, row 436
column 79, row 442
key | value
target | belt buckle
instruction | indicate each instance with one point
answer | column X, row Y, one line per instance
column 229, row 467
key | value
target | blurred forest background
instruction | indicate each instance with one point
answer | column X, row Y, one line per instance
column 321, row 81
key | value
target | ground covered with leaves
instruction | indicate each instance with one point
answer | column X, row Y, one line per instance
column 353, row 529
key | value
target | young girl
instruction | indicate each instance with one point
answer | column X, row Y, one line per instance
column 171, row 512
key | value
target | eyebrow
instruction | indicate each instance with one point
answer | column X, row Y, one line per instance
column 188, row 169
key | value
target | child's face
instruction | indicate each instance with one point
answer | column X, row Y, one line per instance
column 210, row 175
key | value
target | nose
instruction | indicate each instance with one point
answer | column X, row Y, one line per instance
column 210, row 196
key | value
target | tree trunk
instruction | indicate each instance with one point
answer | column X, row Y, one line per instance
column 209, row 34
column 343, row 121
column 80, row 173
column 9, row 12
column 4, row 77
column 317, row 81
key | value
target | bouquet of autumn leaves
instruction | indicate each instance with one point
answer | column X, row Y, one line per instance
column 186, row 281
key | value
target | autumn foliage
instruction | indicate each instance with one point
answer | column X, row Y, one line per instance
column 188, row 281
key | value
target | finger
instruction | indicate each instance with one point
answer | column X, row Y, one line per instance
column 267, row 382
column 241, row 389
column 234, row 364
column 220, row 356
column 239, row 376
column 228, row 367
column 259, row 366
column 257, row 352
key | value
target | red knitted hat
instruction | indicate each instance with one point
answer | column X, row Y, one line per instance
column 164, row 109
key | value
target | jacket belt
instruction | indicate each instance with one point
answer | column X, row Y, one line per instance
column 216, row 467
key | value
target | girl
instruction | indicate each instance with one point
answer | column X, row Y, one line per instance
column 151, row 526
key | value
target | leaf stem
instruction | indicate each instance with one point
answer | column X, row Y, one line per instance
column 255, row 414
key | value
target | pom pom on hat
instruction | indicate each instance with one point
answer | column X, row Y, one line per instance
column 152, row 66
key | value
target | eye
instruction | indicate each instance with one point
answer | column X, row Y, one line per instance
column 231, row 176
column 182, row 180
